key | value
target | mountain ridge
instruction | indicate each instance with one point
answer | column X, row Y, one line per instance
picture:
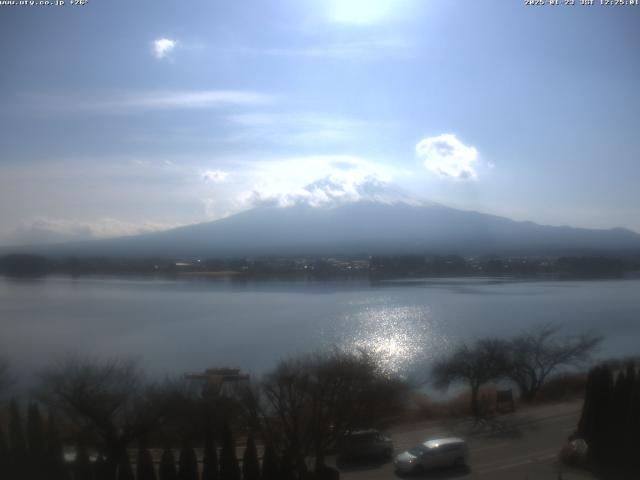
column 357, row 228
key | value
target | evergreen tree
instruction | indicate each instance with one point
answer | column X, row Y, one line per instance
column 601, row 394
column 82, row 465
column 286, row 467
column 628, row 432
column 144, row 465
column 618, row 418
column 250, row 464
column 35, row 433
column 125, row 472
column 188, row 463
column 270, row 463
column 229, row 468
column 210, row 460
column 55, row 457
column 100, row 468
column 168, row 466
column 585, row 424
column 630, row 375
column 610, row 418
column 4, row 452
column 634, row 425
column 37, row 442
column 17, row 461
column 17, row 441
column 607, row 414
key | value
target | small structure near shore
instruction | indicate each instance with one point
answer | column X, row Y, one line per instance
column 218, row 379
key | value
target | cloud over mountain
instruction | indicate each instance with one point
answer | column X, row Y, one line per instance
column 448, row 157
column 334, row 190
column 320, row 181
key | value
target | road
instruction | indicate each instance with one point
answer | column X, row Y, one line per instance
column 522, row 445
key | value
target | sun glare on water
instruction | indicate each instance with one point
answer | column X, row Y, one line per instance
column 401, row 338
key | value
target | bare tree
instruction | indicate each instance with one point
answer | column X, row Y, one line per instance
column 537, row 353
column 110, row 399
column 306, row 403
column 483, row 362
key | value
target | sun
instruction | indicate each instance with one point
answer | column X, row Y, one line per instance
column 362, row 12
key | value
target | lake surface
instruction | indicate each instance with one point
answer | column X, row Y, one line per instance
column 186, row 325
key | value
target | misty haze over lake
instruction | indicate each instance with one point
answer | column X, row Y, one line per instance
column 178, row 326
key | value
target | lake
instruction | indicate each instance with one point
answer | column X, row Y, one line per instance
column 175, row 326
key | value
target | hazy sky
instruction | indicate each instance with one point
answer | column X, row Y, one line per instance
column 126, row 116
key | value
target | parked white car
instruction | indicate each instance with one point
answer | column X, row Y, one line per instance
column 439, row 452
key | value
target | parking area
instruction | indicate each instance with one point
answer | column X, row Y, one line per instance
column 523, row 445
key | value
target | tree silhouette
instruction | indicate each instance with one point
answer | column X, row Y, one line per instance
column 125, row 472
column 306, row 403
column 586, row 424
column 601, row 443
column 55, row 459
column 100, row 469
column 17, row 443
column 144, row 464
column 111, row 399
column 286, row 467
column 188, row 463
column 610, row 417
column 16, row 432
column 229, row 468
column 37, row 441
column 81, row 465
column 250, row 464
column 4, row 454
column 594, row 424
column 168, row 466
column 633, row 423
column 270, row 470
column 210, row 460
column 618, row 416
column 536, row 354
column 485, row 361
column 5, row 377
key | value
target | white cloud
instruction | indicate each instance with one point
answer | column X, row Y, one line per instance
column 163, row 47
column 159, row 193
column 332, row 190
column 215, row 176
column 128, row 102
column 193, row 99
column 448, row 157
column 54, row 230
column 319, row 181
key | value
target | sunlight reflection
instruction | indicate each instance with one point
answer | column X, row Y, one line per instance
column 404, row 338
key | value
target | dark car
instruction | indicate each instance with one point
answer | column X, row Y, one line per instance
column 365, row 444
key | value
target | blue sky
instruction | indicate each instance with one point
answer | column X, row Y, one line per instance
column 120, row 117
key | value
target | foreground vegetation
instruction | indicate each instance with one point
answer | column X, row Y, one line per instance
column 291, row 418
column 610, row 419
